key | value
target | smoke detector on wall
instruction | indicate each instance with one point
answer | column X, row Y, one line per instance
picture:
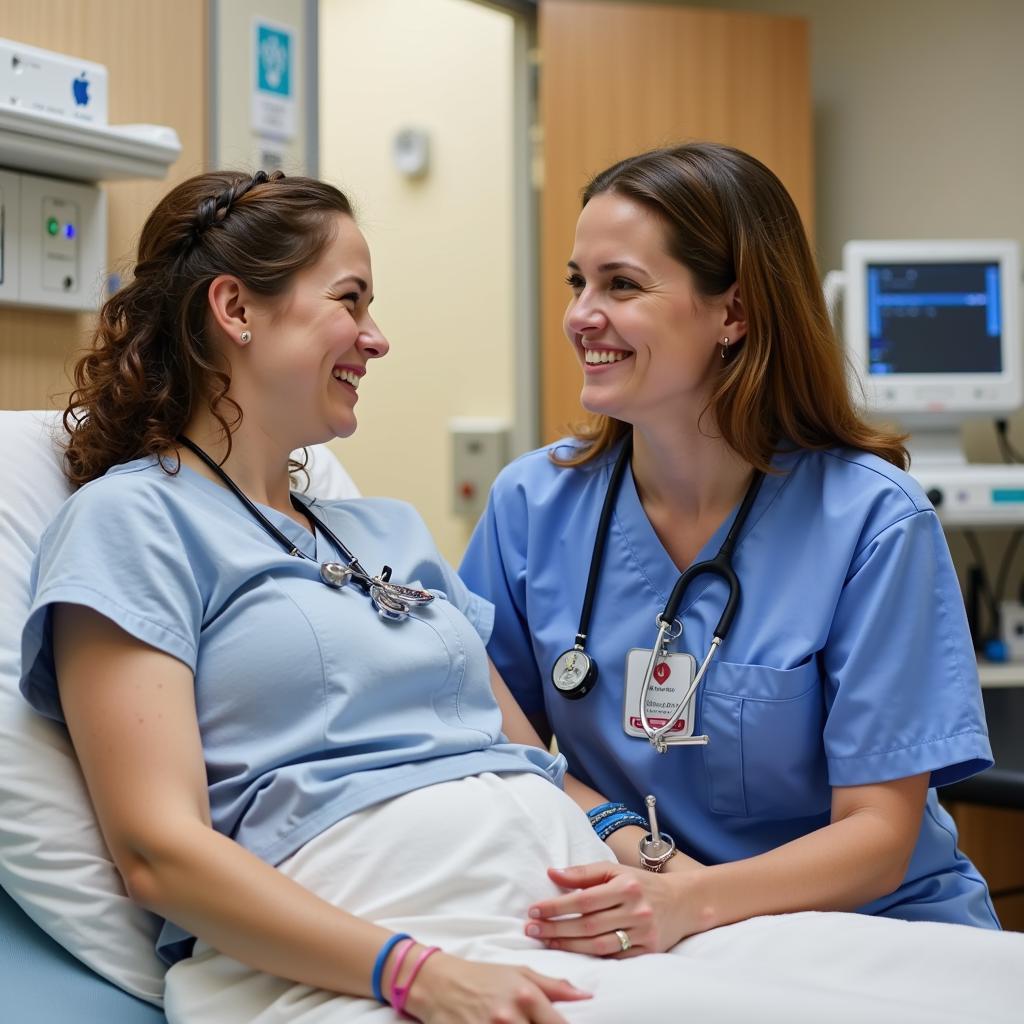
column 411, row 152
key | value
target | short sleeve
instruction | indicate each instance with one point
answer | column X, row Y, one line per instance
column 902, row 690
column 116, row 549
column 494, row 566
column 475, row 607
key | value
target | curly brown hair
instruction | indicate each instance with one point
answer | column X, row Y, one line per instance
column 151, row 361
column 729, row 219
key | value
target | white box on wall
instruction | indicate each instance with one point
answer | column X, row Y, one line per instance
column 51, row 83
column 10, row 233
column 63, row 244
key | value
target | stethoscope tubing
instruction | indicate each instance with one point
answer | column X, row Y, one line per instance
column 719, row 566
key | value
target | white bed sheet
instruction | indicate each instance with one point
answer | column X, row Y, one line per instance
column 466, row 859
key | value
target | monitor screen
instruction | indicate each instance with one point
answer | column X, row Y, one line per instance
column 934, row 318
column 932, row 327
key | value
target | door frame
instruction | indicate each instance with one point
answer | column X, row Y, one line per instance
column 525, row 427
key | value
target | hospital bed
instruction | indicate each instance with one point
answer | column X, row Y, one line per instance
column 42, row 800
column 72, row 946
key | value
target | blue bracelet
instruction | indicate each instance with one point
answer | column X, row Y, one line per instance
column 611, row 805
column 378, row 964
column 618, row 821
column 596, row 819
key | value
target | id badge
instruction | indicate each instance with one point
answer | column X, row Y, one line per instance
column 673, row 674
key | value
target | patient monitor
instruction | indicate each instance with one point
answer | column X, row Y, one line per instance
column 932, row 331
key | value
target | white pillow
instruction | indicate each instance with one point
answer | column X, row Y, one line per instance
column 53, row 861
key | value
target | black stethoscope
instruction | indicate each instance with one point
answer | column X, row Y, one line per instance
column 392, row 601
column 574, row 672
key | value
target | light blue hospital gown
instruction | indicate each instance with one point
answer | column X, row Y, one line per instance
column 310, row 706
column 849, row 661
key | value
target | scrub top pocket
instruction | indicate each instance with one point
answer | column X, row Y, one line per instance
column 765, row 756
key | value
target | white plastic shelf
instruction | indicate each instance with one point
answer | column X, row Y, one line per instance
column 1003, row 674
column 44, row 144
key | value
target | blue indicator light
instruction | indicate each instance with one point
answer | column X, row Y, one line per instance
column 1008, row 494
column 69, row 230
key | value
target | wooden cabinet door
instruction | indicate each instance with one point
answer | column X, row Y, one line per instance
column 619, row 78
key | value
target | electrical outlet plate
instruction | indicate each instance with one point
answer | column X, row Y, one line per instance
column 479, row 452
column 63, row 244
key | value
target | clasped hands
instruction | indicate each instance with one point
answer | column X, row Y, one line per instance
column 655, row 910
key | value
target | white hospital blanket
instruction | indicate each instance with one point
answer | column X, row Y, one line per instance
column 467, row 858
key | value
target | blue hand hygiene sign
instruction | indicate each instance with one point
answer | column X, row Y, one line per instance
column 273, row 60
column 274, row 82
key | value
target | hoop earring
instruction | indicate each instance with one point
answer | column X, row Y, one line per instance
column 245, row 337
column 725, row 347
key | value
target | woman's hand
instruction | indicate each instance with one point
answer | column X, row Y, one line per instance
column 651, row 908
column 449, row 990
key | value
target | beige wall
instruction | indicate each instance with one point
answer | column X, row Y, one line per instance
column 236, row 145
column 443, row 247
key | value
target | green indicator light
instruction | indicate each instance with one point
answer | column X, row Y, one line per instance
column 52, row 226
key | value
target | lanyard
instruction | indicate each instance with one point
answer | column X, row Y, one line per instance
column 392, row 601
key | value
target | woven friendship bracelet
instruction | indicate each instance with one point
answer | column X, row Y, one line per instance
column 622, row 820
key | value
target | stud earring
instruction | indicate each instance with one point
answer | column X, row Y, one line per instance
column 245, row 337
column 725, row 347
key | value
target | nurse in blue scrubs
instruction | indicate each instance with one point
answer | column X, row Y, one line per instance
column 846, row 689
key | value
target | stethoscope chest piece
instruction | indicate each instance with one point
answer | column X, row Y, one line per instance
column 389, row 608
column 334, row 574
column 574, row 673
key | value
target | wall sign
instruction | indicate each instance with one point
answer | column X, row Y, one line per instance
column 274, row 79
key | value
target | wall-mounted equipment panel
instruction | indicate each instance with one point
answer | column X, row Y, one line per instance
column 53, row 125
column 56, row 248
column 479, row 451
column 10, row 220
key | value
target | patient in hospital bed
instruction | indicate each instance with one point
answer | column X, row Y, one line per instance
column 294, row 743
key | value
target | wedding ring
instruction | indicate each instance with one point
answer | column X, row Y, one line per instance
column 625, row 943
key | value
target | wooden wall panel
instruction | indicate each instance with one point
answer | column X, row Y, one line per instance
column 993, row 837
column 156, row 58
column 619, row 78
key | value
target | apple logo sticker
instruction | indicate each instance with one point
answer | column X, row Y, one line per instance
column 80, row 89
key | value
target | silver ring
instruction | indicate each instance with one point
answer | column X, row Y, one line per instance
column 625, row 943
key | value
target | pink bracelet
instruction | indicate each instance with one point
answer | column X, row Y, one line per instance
column 400, row 993
column 400, row 956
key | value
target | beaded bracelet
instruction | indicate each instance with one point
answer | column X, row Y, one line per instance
column 621, row 820
column 400, row 993
column 595, row 818
column 600, row 808
column 378, row 964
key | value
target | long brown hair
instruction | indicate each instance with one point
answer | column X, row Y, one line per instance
column 729, row 219
column 151, row 361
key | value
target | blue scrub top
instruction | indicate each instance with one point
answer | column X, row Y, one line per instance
column 849, row 661
column 310, row 707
